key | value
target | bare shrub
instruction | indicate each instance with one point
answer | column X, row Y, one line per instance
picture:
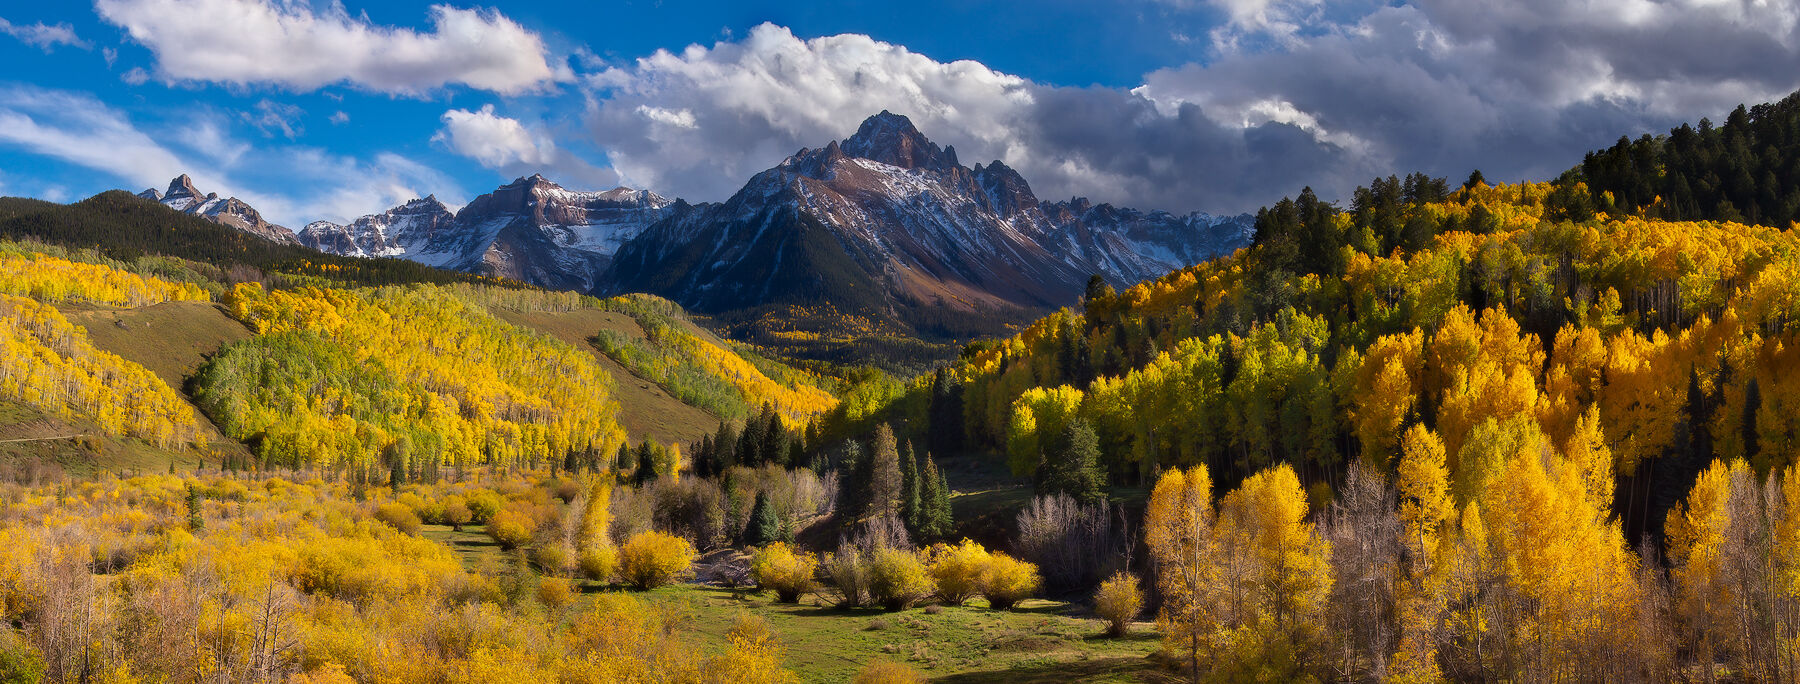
column 1073, row 545
column 1364, row 531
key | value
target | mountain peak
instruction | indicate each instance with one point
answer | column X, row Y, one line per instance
column 892, row 139
column 181, row 186
column 536, row 180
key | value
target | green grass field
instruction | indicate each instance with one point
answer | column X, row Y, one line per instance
column 1040, row 641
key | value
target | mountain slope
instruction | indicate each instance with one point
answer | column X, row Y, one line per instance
column 182, row 196
column 530, row 230
column 888, row 230
column 126, row 227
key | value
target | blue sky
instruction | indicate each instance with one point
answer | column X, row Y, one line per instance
column 328, row 110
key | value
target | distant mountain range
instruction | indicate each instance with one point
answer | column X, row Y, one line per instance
column 530, row 229
column 885, row 227
column 183, row 197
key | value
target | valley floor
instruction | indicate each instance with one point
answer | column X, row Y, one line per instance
column 1040, row 641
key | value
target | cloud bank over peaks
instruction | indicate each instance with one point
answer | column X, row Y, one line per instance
column 1289, row 93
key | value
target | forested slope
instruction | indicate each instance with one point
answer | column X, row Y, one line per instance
column 1665, row 344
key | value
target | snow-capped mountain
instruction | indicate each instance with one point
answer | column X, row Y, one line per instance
column 885, row 226
column 888, row 225
column 182, row 196
column 387, row 234
column 530, row 229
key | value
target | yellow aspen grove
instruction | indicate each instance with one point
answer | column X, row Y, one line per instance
column 49, row 364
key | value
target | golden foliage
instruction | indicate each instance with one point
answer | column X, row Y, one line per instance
column 47, row 363
column 652, row 559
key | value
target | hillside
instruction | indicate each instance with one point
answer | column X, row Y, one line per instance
column 171, row 339
column 125, row 227
column 155, row 314
column 646, row 409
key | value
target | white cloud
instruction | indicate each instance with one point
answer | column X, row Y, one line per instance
column 273, row 117
column 495, row 141
column 340, row 118
column 515, row 149
column 79, row 129
column 700, row 121
column 44, row 36
column 310, row 183
column 135, row 76
column 678, row 119
column 318, row 185
column 290, row 45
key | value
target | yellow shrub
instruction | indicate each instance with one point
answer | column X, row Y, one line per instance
column 789, row 574
column 1009, row 580
column 652, row 559
column 456, row 512
column 510, row 528
column 400, row 516
column 958, row 570
column 888, row 672
column 555, row 592
column 598, row 563
column 1119, row 601
column 754, row 656
column 483, row 505
column 897, row 578
column 554, row 559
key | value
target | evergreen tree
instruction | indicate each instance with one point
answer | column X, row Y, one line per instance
column 196, row 519
column 750, row 442
column 725, row 449
column 1072, row 465
column 858, row 472
column 396, row 455
column 909, row 488
column 624, row 460
column 774, row 447
column 646, row 463
column 884, row 475
column 946, row 431
column 935, row 520
column 796, row 456
column 764, row 526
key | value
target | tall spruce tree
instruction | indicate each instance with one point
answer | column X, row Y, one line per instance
column 909, row 488
column 764, row 526
column 935, row 520
column 646, row 463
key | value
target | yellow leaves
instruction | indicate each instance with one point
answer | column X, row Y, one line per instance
column 1386, row 386
column 781, row 569
column 51, row 280
column 1267, row 514
column 1424, row 484
column 1485, row 371
column 1243, row 592
column 49, row 364
column 652, row 559
column 486, row 390
column 1037, row 417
